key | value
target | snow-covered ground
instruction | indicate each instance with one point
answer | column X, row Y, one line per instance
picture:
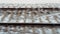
column 29, row 1
column 17, row 5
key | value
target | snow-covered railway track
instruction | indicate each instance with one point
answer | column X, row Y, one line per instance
column 11, row 29
column 30, row 16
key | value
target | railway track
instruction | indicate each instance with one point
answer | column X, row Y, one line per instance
column 14, row 29
column 30, row 16
column 32, row 19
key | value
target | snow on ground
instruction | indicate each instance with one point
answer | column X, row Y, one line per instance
column 29, row 1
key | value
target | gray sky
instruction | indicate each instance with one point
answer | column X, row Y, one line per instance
column 29, row 1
